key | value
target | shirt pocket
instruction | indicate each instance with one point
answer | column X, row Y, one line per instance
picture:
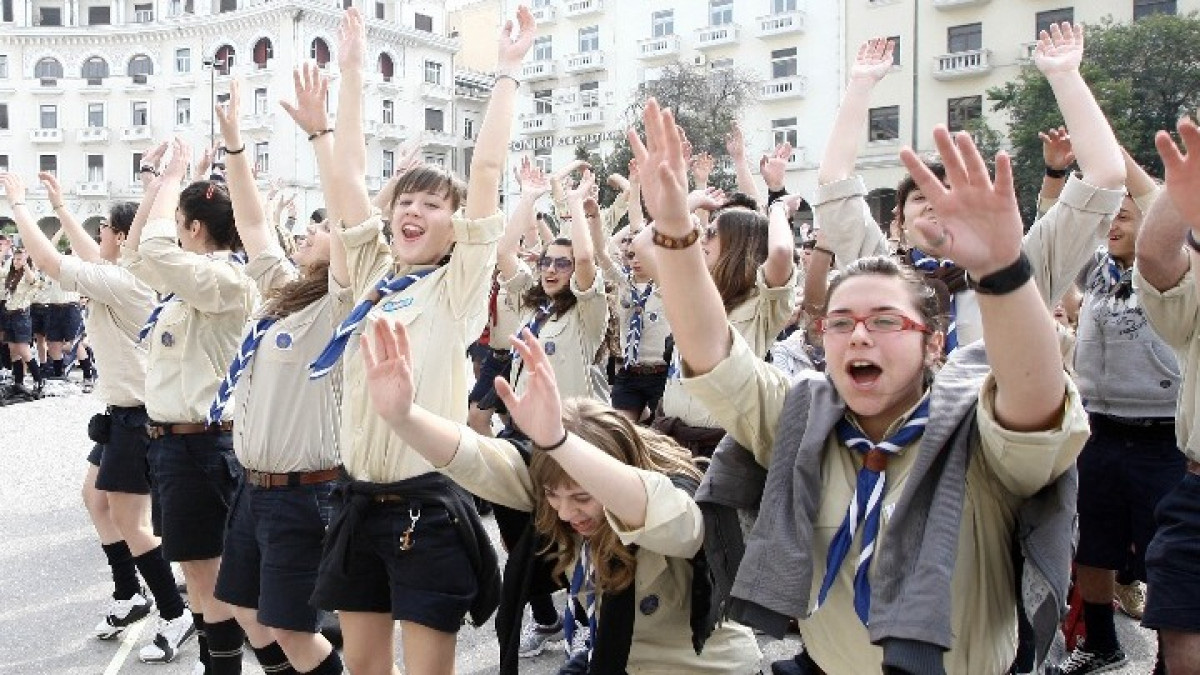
column 167, row 338
column 284, row 345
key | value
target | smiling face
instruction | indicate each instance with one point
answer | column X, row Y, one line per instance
column 555, row 268
column 879, row 374
column 576, row 507
column 1124, row 230
column 110, row 241
column 422, row 231
column 313, row 247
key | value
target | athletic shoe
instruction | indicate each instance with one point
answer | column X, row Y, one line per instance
column 89, row 384
column 1083, row 662
column 1131, row 599
column 120, row 614
column 169, row 636
column 535, row 636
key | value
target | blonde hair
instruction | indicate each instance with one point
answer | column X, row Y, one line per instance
column 636, row 446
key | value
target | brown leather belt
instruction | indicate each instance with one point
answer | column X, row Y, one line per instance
column 293, row 479
column 1193, row 467
column 645, row 369
column 160, row 429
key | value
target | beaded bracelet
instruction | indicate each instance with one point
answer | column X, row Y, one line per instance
column 317, row 134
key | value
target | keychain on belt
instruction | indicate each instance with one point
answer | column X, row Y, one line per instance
column 406, row 537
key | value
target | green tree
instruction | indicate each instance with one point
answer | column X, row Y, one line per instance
column 705, row 102
column 1144, row 75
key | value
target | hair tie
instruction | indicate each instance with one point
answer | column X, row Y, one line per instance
column 211, row 188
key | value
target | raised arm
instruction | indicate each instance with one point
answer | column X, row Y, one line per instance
column 349, row 181
column 523, row 223
column 702, row 167
column 735, row 145
column 773, row 168
column 1058, row 55
column 873, row 63
column 257, row 236
column 1162, row 258
column 41, row 250
column 1058, row 156
column 491, row 150
column 150, row 175
column 816, row 277
column 82, row 243
column 780, row 264
column 583, row 208
column 979, row 227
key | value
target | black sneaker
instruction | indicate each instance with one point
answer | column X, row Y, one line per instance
column 1081, row 661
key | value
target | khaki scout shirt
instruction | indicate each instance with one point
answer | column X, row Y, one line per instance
column 22, row 296
column 572, row 340
column 118, row 306
column 197, row 333
column 286, row 422
column 443, row 312
column 53, row 293
column 672, row 534
column 1058, row 245
column 747, row 397
column 758, row 320
column 655, row 329
column 1175, row 315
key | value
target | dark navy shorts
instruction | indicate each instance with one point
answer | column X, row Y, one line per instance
column 122, row 460
column 497, row 363
column 193, row 480
column 63, row 322
column 637, row 391
column 1173, row 561
column 18, row 327
column 431, row 583
column 272, row 552
column 39, row 315
column 1124, row 471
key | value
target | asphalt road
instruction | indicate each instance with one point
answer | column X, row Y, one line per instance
column 53, row 579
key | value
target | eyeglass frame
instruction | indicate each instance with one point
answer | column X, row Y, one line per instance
column 560, row 263
column 906, row 324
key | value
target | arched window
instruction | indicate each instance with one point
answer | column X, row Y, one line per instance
column 140, row 65
column 48, row 68
column 94, row 70
column 319, row 52
column 224, row 60
column 386, row 67
column 263, row 52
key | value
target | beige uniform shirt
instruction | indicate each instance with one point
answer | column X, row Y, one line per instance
column 197, row 333
column 118, row 306
column 572, row 340
column 284, row 421
column 53, row 293
column 1058, row 245
column 758, row 320
column 22, row 296
column 443, row 312
column 655, row 329
column 1175, row 314
column 508, row 321
column 1006, row 467
column 672, row 534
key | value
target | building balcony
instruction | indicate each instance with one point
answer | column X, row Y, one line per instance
column 143, row 15
column 443, row 139
column 91, row 135
column 139, row 132
column 389, row 86
column 260, row 72
column 264, row 121
column 390, row 132
column 538, row 123
column 95, row 87
column 783, row 23
column 794, row 86
column 538, row 70
column 658, row 47
column 962, row 64
column 370, row 128
column 543, row 15
column 577, row 8
column 45, row 136
column 584, row 62
column 436, row 92
column 955, row 4
column 47, row 87
column 585, row 117
column 716, row 36
column 92, row 189
column 374, row 183
column 1028, row 49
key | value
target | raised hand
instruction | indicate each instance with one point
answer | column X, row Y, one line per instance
column 664, row 171
column 1182, row 169
column 570, row 168
column 153, row 159
column 735, row 142
column 1060, row 50
column 200, row 172
column 774, row 166
column 312, row 88
column 512, row 49
column 1056, row 148
column 227, row 114
column 702, row 167
column 537, row 411
column 582, row 191
column 532, row 179
column 14, row 187
column 386, row 353
column 53, row 189
column 874, row 60
column 978, row 224
column 635, row 171
column 181, row 154
column 352, row 40
column 709, row 199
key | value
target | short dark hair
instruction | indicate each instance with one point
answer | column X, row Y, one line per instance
column 318, row 215
column 120, row 216
column 908, row 185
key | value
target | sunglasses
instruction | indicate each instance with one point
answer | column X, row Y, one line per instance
column 562, row 264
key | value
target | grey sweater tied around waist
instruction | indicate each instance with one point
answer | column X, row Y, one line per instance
column 768, row 580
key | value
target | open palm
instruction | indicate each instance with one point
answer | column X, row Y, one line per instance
column 1182, row 168
column 1059, row 49
column 874, row 60
column 538, row 410
column 386, row 353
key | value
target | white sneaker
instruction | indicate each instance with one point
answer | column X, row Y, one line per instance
column 120, row 614
column 169, row 636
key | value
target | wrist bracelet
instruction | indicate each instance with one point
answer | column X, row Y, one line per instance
column 317, row 134
column 146, row 168
column 559, row 444
column 506, row 76
column 15, row 204
column 56, row 206
column 674, row 243
column 1191, row 241
column 824, row 250
column 1056, row 173
column 236, row 152
column 1003, row 281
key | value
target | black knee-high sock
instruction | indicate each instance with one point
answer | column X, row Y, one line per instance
column 18, row 370
column 124, row 573
column 225, row 640
column 85, row 365
column 1101, row 629
column 202, row 642
column 35, row 370
column 157, row 573
column 273, row 660
column 332, row 665
column 59, row 367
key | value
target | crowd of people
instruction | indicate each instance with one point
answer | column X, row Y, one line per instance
column 693, row 425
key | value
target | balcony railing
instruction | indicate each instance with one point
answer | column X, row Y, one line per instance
column 92, row 189
column 585, row 117
column 1028, row 49
column 45, row 135
column 436, row 91
column 716, row 36
column 143, row 15
column 139, row 132
column 264, row 121
column 795, row 86
column 538, row 70
column 783, row 23
column 655, row 47
column 584, row 62
column 577, row 8
column 538, row 123
column 962, row 64
column 544, row 14
column 390, row 132
column 955, row 4
column 92, row 135
column 440, row 138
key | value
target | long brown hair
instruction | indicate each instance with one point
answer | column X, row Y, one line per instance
column 310, row 286
column 15, row 274
column 563, row 301
column 743, row 236
column 634, row 445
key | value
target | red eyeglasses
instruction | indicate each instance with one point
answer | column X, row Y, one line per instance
column 883, row 322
